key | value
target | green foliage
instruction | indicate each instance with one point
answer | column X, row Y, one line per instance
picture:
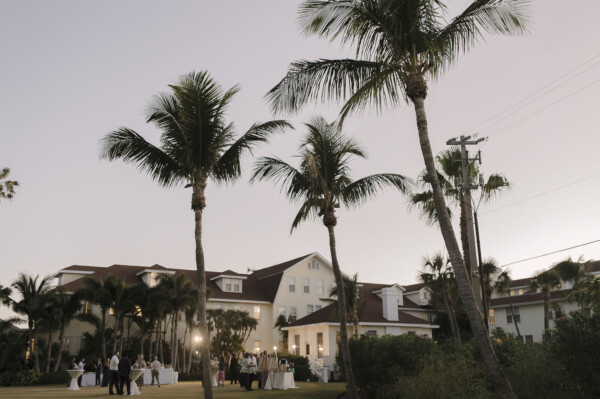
column 301, row 367
column 230, row 330
column 56, row 377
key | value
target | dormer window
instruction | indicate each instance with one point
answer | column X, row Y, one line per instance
column 313, row 265
column 229, row 281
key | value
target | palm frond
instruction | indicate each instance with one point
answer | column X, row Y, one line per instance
column 495, row 185
column 363, row 189
column 292, row 181
column 308, row 210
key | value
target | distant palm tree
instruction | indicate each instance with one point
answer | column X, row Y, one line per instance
column 546, row 282
column 99, row 292
column 351, row 288
column 64, row 307
column 7, row 187
column 196, row 144
column 572, row 271
column 587, row 294
column 321, row 185
column 401, row 44
column 33, row 294
column 438, row 277
column 502, row 287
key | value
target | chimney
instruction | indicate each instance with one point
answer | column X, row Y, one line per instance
column 389, row 299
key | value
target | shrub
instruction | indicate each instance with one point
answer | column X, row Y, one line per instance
column 58, row 377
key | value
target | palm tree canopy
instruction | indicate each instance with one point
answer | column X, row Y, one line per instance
column 323, row 182
column 7, row 187
column 546, row 281
column 196, row 140
column 351, row 289
column 437, row 274
column 32, row 293
column 394, row 39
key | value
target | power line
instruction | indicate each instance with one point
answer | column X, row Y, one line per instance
column 540, row 89
column 541, row 194
column 550, row 253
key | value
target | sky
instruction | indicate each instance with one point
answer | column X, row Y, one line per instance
column 73, row 71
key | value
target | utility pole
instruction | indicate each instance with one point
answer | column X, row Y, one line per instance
column 467, row 186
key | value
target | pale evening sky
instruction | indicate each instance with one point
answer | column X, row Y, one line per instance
column 73, row 71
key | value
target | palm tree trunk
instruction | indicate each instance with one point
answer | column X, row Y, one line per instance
column 355, row 320
column 150, row 345
column 142, row 342
column 546, row 311
column 49, row 357
column 183, row 348
column 122, row 332
column 158, row 322
column 450, row 315
column 174, row 347
column 512, row 312
column 61, row 336
column 198, row 204
column 416, row 90
column 115, row 332
column 189, row 365
column 36, row 353
column 464, row 236
column 103, row 334
column 344, row 347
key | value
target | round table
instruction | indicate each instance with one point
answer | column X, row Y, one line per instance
column 74, row 374
column 134, row 375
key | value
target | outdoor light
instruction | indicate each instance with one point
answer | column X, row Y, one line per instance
column 274, row 348
column 320, row 349
column 293, row 346
column 197, row 339
column 258, row 349
column 196, row 352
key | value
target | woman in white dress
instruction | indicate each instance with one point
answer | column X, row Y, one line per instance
column 214, row 372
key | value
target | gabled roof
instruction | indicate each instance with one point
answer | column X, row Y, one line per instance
column 413, row 288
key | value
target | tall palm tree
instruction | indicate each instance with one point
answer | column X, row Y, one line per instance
column 587, row 294
column 572, row 271
column 322, row 184
column 30, row 305
column 196, row 144
column 99, row 292
column 502, row 287
column 65, row 307
column 7, row 187
column 438, row 277
column 400, row 43
column 546, row 282
column 351, row 294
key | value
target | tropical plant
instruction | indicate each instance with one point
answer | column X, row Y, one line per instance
column 322, row 184
column 232, row 329
column 438, row 277
column 7, row 187
column 502, row 287
column 99, row 292
column 190, row 325
column 572, row 271
column 352, row 296
column 280, row 323
column 196, row 144
column 546, row 282
column 32, row 295
column 587, row 294
column 400, row 44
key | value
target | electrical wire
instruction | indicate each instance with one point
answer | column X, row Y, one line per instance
column 550, row 253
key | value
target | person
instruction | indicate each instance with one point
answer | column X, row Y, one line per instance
column 80, row 366
column 262, row 367
column 155, row 371
column 244, row 372
column 105, row 373
column 124, row 371
column 70, row 366
column 114, row 374
column 233, row 369
column 292, row 368
column 252, row 372
column 214, row 371
column 222, row 367
column 140, row 364
column 98, row 370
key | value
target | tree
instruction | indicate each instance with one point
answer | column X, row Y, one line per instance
column 231, row 330
column 400, row 44
column 30, row 305
column 100, row 293
column 280, row 323
column 438, row 277
column 351, row 293
column 7, row 187
column 64, row 308
column 571, row 271
column 546, row 282
column 196, row 144
column 587, row 294
column 502, row 287
column 321, row 185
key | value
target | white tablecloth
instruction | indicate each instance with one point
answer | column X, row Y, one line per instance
column 133, row 375
column 89, row 379
column 165, row 376
column 280, row 381
column 74, row 374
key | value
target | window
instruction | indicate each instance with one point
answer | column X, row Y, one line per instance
column 310, row 309
column 320, row 287
column 529, row 339
column 292, row 284
column 306, row 285
column 317, row 307
column 550, row 314
column 372, row 333
column 492, row 317
column 516, row 292
column 86, row 307
column 412, row 333
column 296, row 344
column 67, row 344
column 509, row 318
column 236, row 287
column 111, row 311
column 281, row 310
column 307, row 349
column 228, row 287
column 256, row 314
column 293, row 314
column 313, row 265
column 320, row 345
column 256, row 346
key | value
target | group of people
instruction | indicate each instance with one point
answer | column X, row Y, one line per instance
column 73, row 365
column 120, row 369
column 260, row 368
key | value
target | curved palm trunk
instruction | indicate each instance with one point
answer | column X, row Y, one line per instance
column 344, row 347
column 103, row 334
column 49, row 356
column 36, row 356
column 451, row 316
column 198, row 204
column 174, row 348
column 61, row 336
column 417, row 89
column 512, row 312
column 191, row 354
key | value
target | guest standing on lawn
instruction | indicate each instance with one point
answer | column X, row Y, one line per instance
column 106, row 374
column 98, row 370
column 244, row 372
column 155, row 371
column 222, row 367
column 124, row 371
column 233, row 369
column 140, row 364
column 114, row 375
column 80, row 366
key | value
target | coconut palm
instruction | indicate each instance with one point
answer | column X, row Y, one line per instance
column 438, row 277
column 572, row 271
column 502, row 287
column 196, row 144
column 7, row 187
column 99, row 292
column 587, row 294
column 546, row 282
column 32, row 293
column 351, row 294
column 400, row 43
column 322, row 184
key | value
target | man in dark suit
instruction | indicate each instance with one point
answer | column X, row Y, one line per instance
column 124, row 370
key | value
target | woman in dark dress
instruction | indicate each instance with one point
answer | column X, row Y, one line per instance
column 105, row 374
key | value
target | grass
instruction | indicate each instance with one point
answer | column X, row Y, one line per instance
column 183, row 390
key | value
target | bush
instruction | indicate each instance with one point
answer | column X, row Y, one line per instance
column 301, row 367
column 58, row 377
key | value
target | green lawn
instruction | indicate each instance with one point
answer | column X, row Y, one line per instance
column 183, row 390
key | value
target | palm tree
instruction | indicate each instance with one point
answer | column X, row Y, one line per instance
column 438, row 277
column 320, row 185
column 571, row 271
column 587, row 294
column 179, row 295
column 502, row 287
column 7, row 187
column 196, row 144
column 280, row 323
column 546, row 282
column 190, row 313
column 31, row 304
column 65, row 308
column 401, row 43
column 351, row 293
column 100, row 293
column 489, row 270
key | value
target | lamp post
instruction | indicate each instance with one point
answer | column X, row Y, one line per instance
column 294, row 349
